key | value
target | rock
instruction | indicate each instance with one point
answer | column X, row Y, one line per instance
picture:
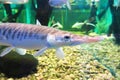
column 15, row 65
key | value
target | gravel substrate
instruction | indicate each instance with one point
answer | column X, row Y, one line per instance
column 96, row 61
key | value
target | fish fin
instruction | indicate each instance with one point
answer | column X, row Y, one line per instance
column 6, row 51
column 20, row 51
column 38, row 22
column 59, row 53
column 40, row 52
column 68, row 5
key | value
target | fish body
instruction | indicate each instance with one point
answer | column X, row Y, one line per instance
column 59, row 3
column 21, row 36
column 14, row 1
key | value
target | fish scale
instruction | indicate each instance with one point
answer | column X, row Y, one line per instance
column 17, row 34
column 22, row 30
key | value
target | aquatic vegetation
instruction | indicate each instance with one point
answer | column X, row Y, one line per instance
column 57, row 25
column 85, row 27
column 51, row 21
column 54, row 24
column 103, row 24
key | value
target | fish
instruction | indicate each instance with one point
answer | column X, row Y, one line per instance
column 60, row 3
column 116, row 3
column 21, row 37
column 13, row 1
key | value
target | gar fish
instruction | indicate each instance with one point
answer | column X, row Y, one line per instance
column 20, row 36
column 60, row 3
column 13, row 1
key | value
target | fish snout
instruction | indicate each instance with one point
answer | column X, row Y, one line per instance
column 87, row 39
column 93, row 39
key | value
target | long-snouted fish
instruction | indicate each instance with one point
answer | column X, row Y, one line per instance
column 21, row 36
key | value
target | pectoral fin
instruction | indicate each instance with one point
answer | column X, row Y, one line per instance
column 40, row 52
column 20, row 51
column 37, row 22
column 60, row 53
column 6, row 51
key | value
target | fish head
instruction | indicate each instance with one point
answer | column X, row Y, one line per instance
column 59, row 40
column 69, row 39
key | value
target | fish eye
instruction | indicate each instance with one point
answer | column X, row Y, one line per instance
column 66, row 37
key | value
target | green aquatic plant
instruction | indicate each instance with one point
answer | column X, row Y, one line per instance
column 85, row 26
column 54, row 24
column 51, row 20
column 103, row 24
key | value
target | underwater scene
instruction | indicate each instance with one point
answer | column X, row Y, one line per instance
column 59, row 39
